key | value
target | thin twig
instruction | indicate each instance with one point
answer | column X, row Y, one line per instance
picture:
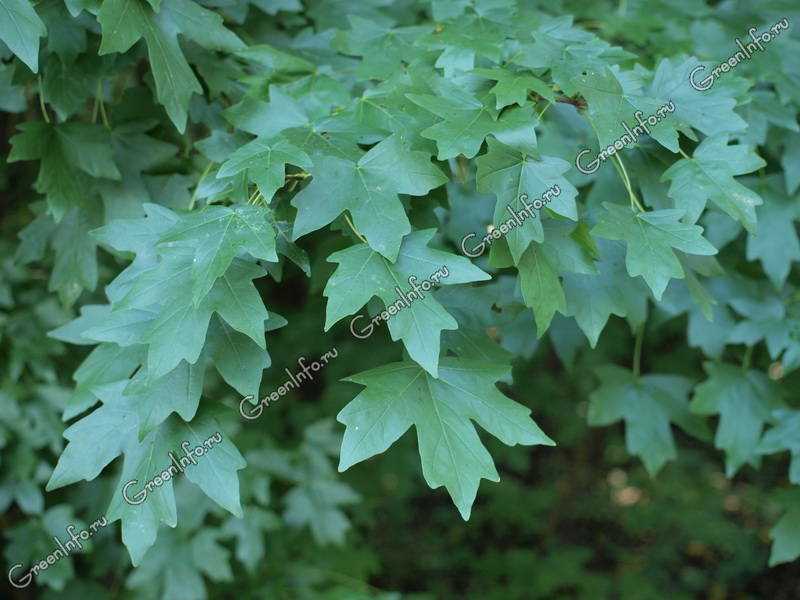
column 576, row 102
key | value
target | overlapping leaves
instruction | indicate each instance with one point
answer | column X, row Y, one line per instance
column 371, row 115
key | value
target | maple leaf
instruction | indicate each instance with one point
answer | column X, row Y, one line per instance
column 614, row 97
column 20, row 29
column 265, row 161
column 156, row 311
column 709, row 175
column 363, row 273
column 517, row 180
column 111, row 430
column 775, row 243
column 512, row 87
column 217, row 234
column 567, row 51
column 540, row 266
column 400, row 395
column 124, row 22
column 592, row 299
column 67, row 152
column 744, row 401
column 784, row 436
column 153, row 400
column 785, row 537
column 468, row 120
column 462, row 42
column 650, row 238
column 648, row 405
column 368, row 189
column 383, row 49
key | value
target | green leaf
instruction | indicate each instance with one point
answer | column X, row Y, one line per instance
column 317, row 505
column 764, row 110
column 170, row 566
column 12, row 97
column 104, row 434
column 785, row 435
column 709, row 175
column 775, row 244
column 512, row 87
column 150, row 303
column 785, row 538
column 157, row 311
column 362, row 273
column 67, row 153
column 275, row 60
column 567, row 51
column 124, row 22
column 648, row 405
column 650, row 238
column 400, row 395
column 565, row 250
column 462, row 42
column 249, row 532
column 29, row 541
column 541, row 287
column 95, row 441
column 20, row 29
column 217, row 234
column 65, row 87
column 468, row 121
column 369, row 189
column 156, row 399
column 383, row 49
column 744, row 401
column 592, row 299
column 237, row 358
column 472, row 309
column 790, row 161
column 75, row 267
column 265, row 162
column 267, row 120
column 318, row 497
column 614, row 97
column 517, row 179
column 107, row 363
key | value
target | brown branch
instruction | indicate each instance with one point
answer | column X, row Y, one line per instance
column 576, row 102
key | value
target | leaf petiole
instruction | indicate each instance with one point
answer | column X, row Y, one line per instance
column 637, row 350
column 41, row 101
column 353, row 227
column 197, row 187
column 635, row 204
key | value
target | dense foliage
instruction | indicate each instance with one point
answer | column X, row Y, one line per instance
column 568, row 225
